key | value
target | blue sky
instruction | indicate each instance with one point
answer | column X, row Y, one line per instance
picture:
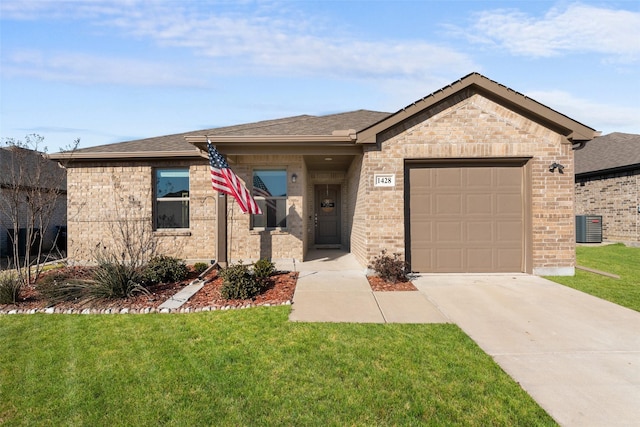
column 110, row 71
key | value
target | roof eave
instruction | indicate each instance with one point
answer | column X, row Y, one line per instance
column 608, row 171
column 71, row 155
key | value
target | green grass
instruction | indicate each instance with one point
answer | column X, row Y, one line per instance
column 617, row 259
column 248, row 367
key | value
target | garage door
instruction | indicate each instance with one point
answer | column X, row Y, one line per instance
column 466, row 219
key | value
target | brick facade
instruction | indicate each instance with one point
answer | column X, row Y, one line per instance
column 103, row 197
column 616, row 197
column 468, row 126
column 290, row 243
column 465, row 125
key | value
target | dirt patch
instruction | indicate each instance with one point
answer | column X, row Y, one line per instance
column 378, row 284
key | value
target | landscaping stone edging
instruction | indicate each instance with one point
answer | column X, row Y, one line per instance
column 146, row 310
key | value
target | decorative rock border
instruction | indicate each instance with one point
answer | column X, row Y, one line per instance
column 145, row 310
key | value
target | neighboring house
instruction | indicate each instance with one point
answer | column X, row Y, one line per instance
column 458, row 181
column 31, row 172
column 608, row 183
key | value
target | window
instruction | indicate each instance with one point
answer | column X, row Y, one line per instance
column 270, row 192
column 172, row 198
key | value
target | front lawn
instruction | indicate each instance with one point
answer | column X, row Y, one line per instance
column 617, row 259
column 248, row 367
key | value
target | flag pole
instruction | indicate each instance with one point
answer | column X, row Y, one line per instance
column 221, row 229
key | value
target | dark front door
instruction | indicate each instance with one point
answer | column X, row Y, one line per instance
column 327, row 214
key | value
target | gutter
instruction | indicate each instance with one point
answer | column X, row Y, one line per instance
column 70, row 155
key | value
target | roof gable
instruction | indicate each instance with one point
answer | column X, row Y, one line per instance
column 613, row 151
column 516, row 101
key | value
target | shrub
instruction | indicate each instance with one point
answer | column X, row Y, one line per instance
column 165, row 269
column 10, row 286
column 111, row 279
column 61, row 286
column 263, row 269
column 390, row 269
column 115, row 280
column 200, row 267
column 238, row 282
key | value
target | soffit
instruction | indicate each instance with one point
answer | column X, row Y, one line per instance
column 328, row 162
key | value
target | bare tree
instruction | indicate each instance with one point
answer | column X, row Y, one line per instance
column 130, row 227
column 31, row 186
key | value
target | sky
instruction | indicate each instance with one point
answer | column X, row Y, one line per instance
column 112, row 71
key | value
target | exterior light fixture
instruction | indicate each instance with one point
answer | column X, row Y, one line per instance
column 294, row 178
column 553, row 166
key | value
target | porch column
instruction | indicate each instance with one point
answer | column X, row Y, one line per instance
column 221, row 240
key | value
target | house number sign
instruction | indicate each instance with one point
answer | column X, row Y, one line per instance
column 384, row 180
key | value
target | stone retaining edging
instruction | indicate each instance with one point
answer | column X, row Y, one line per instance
column 125, row 310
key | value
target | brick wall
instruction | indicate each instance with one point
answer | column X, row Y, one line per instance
column 468, row 126
column 103, row 197
column 249, row 245
column 616, row 197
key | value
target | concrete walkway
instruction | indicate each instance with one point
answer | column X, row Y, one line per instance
column 578, row 356
column 332, row 287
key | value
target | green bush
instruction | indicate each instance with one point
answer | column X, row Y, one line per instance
column 263, row 269
column 391, row 269
column 165, row 269
column 239, row 283
column 10, row 287
column 200, row 267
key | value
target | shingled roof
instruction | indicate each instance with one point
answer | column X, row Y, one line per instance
column 612, row 152
column 303, row 125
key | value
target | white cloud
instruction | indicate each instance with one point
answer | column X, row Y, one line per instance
column 257, row 37
column 577, row 29
column 602, row 117
column 80, row 68
column 274, row 43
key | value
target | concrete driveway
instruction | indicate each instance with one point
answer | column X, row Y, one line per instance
column 578, row 356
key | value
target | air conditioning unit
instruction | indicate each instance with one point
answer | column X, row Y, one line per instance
column 589, row 228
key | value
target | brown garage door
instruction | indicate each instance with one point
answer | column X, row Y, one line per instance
column 466, row 219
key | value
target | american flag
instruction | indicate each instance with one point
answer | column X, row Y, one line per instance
column 224, row 180
column 260, row 189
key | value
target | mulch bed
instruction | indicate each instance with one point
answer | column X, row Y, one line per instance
column 378, row 284
column 280, row 291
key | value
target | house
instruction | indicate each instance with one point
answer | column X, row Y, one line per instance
column 458, row 181
column 608, row 183
column 27, row 173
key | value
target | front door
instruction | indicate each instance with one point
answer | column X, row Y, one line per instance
column 327, row 214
